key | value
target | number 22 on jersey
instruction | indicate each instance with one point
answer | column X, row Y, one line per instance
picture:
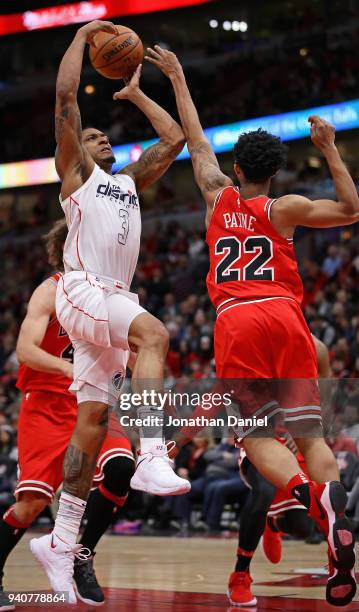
column 229, row 268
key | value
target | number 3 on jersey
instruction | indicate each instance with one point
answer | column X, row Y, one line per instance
column 124, row 218
column 233, row 249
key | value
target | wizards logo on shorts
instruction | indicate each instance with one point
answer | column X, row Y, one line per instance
column 117, row 380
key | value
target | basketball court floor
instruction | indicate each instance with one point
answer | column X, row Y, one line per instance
column 153, row 574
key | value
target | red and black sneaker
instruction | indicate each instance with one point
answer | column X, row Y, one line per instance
column 239, row 590
column 327, row 508
column 272, row 544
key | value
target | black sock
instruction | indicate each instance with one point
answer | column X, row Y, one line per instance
column 99, row 513
column 244, row 559
column 9, row 537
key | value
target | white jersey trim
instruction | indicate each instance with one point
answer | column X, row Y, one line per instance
column 276, row 297
column 268, row 209
column 219, row 194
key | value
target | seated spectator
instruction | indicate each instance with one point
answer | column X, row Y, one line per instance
column 351, row 420
column 8, row 468
column 218, row 465
column 349, row 475
column 339, row 441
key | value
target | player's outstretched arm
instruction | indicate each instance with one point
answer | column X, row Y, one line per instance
column 294, row 210
column 155, row 160
column 208, row 174
column 71, row 157
column 40, row 309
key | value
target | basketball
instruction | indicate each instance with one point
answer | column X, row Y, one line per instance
column 116, row 57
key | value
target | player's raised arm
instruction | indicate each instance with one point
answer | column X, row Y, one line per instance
column 155, row 160
column 40, row 309
column 71, row 157
column 208, row 174
column 293, row 210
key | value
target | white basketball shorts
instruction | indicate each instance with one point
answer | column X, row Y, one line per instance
column 97, row 315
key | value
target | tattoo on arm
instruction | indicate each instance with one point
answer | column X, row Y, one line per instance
column 152, row 164
column 79, row 469
column 208, row 174
column 68, row 133
column 62, row 115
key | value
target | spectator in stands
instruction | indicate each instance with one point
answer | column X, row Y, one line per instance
column 226, row 486
column 351, row 420
column 332, row 261
column 8, row 467
column 338, row 441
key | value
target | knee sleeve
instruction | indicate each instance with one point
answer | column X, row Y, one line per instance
column 117, row 475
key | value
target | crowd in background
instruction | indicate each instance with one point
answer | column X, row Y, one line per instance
column 231, row 78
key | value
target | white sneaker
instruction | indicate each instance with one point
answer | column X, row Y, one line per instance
column 154, row 474
column 57, row 559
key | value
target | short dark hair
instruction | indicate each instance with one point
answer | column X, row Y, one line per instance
column 55, row 240
column 259, row 155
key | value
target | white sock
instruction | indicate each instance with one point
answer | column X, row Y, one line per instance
column 151, row 430
column 68, row 519
column 148, row 443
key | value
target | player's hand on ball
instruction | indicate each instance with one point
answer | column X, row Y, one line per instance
column 132, row 86
column 322, row 132
column 165, row 60
column 90, row 29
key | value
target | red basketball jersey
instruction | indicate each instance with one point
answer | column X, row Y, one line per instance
column 56, row 342
column 249, row 260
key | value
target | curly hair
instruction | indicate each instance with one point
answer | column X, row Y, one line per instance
column 55, row 240
column 259, row 155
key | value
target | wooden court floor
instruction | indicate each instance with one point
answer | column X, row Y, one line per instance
column 153, row 574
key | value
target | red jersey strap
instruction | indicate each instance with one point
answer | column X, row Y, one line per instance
column 267, row 209
column 56, row 277
column 219, row 195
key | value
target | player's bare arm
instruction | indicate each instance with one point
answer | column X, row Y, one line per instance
column 209, row 177
column 155, row 160
column 73, row 163
column 324, row 367
column 40, row 309
column 293, row 210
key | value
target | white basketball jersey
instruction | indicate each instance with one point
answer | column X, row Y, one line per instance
column 104, row 222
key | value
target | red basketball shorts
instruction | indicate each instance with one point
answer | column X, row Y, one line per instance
column 46, row 423
column 265, row 349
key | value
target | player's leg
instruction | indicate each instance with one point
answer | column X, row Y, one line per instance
column 296, row 523
column 280, row 518
column 79, row 468
column 14, row 523
column 320, row 460
column 56, row 551
column 252, row 522
column 274, row 461
column 326, row 501
column 149, row 337
column 116, row 467
column 287, row 337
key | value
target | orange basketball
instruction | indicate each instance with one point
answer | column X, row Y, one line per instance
column 116, row 57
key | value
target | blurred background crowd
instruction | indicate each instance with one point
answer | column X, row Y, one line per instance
column 274, row 66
